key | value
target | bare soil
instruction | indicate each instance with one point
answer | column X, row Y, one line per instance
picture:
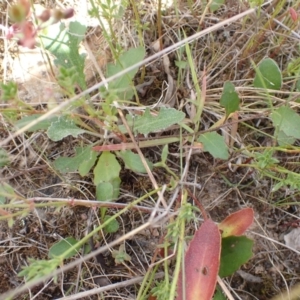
column 221, row 187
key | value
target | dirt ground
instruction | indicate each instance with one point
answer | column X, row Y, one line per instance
column 221, row 186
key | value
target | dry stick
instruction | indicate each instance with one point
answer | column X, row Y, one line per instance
column 152, row 220
column 109, row 287
column 86, row 92
column 88, row 203
column 155, row 185
column 290, row 295
column 224, row 288
column 165, row 51
column 198, row 203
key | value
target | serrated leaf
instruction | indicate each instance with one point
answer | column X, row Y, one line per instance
column 62, row 128
column 62, row 246
column 268, row 75
column 63, row 43
column 112, row 226
column 124, row 83
column 83, row 155
column 107, row 168
column 214, row 144
column 230, row 99
column 45, row 124
column 108, row 191
column 6, row 192
column 4, row 158
column 236, row 250
column 133, row 161
column 201, row 264
column 237, row 223
column 287, row 121
column 148, row 123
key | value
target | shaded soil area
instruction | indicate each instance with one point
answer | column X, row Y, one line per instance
column 221, row 187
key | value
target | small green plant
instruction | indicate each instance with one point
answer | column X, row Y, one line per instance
column 107, row 133
column 39, row 268
column 63, row 42
column 120, row 255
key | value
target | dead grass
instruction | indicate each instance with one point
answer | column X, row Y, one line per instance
column 222, row 187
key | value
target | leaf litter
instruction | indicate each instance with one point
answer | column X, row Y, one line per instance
column 30, row 177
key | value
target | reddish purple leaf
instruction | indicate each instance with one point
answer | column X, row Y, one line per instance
column 237, row 223
column 202, row 261
column 293, row 14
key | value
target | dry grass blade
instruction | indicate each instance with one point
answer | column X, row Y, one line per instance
column 107, row 205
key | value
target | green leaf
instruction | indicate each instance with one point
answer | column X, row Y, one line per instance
column 62, row 128
column 148, row 123
column 268, row 75
column 62, row 246
column 88, row 161
column 230, row 98
column 219, row 295
column 164, row 153
column 63, row 43
column 112, row 226
column 298, row 87
column 39, row 268
column 180, row 64
column 284, row 140
column 83, row 159
column 8, row 91
column 65, row 164
column 124, row 84
column 107, row 168
column 215, row 5
column 108, row 191
column 104, row 191
column 287, row 121
column 120, row 255
column 45, row 124
column 87, row 249
column 214, row 144
column 236, row 250
column 133, row 161
column 6, row 191
column 4, row 158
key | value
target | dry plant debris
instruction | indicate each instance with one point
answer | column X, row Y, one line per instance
column 52, row 202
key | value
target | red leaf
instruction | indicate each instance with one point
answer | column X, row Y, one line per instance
column 293, row 14
column 237, row 223
column 29, row 33
column 202, row 261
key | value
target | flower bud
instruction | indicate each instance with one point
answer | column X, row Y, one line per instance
column 45, row 15
column 17, row 13
column 68, row 13
column 57, row 14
